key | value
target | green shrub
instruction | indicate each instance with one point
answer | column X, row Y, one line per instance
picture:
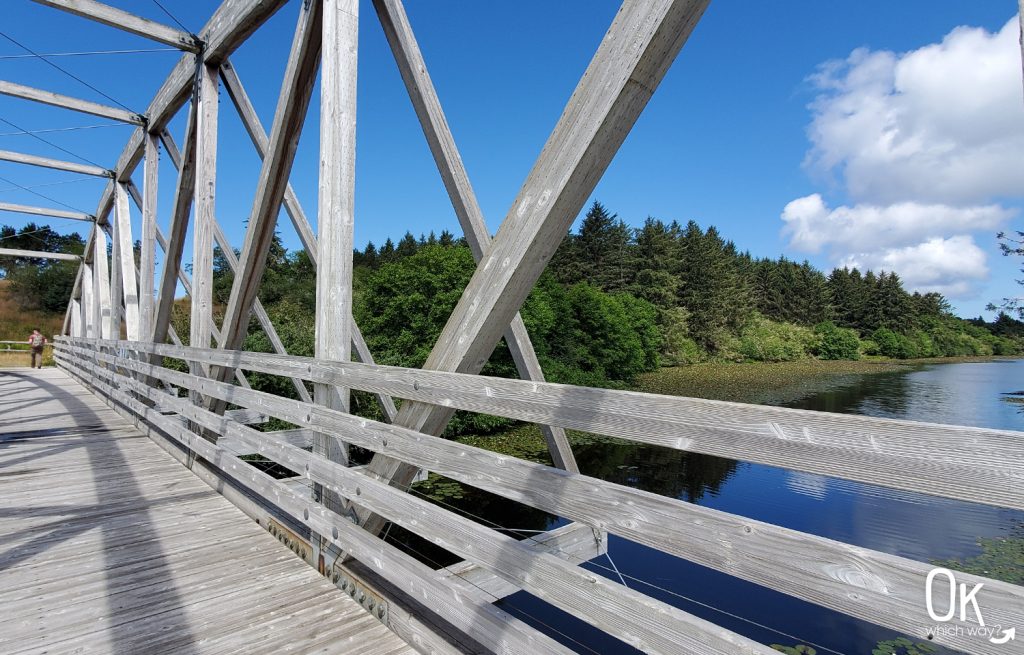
column 836, row 342
column 764, row 340
column 677, row 347
column 893, row 344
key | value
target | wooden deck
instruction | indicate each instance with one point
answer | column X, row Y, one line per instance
column 108, row 544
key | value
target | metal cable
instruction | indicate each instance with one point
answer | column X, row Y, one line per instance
column 89, row 52
column 51, row 143
column 63, row 70
column 45, row 197
column 62, row 129
column 45, row 184
column 170, row 15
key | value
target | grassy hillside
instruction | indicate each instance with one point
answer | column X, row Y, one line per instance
column 16, row 324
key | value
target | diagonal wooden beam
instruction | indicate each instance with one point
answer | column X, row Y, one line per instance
column 258, row 135
column 232, row 261
column 456, row 180
column 300, row 74
column 67, row 102
column 630, row 62
column 38, row 254
column 45, row 211
column 176, row 234
column 126, row 21
column 56, row 164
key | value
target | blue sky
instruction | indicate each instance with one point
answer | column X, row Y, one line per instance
column 901, row 140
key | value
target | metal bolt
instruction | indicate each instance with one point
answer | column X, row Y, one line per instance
column 370, row 605
column 380, row 612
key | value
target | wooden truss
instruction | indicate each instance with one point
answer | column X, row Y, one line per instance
column 117, row 328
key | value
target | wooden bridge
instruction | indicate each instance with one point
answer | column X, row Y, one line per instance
column 110, row 545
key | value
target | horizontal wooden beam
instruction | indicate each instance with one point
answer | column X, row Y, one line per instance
column 67, row 102
column 56, row 164
column 35, row 254
column 45, row 211
column 126, row 21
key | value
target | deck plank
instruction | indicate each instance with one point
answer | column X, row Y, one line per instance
column 107, row 544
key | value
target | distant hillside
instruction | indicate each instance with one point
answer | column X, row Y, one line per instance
column 16, row 324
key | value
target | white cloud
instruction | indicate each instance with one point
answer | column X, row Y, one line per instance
column 954, row 267
column 942, row 124
column 811, row 225
column 925, row 144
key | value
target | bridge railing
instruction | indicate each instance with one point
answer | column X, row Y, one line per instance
column 970, row 464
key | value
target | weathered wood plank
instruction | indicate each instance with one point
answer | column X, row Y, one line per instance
column 45, row 211
column 126, row 21
column 978, row 465
column 67, row 102
column 201, row 324
column 56, row 164
column 126, row 257
column 336, row 220
column 101, row 283
column 38, row 254
column 147, row 259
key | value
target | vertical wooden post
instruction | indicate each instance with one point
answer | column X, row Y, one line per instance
column 205, row 194
column 101, row 285
column 88, row 302
column 147, row 261
column 116, row 313
column 337, row 194
column 126, row 257
column 76, row 318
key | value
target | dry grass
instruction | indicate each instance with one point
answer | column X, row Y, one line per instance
column 16, row 324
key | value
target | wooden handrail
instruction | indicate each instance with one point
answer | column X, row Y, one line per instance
column 874, row 586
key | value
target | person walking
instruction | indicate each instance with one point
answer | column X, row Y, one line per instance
column 36, row 340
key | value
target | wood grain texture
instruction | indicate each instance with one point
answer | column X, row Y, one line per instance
column 336, row 218
column 101, row 285
column 45, row 211
column 972, row 464
column 67, row 102
column 126, row 21
column 147, row 258
column 183, row 194
column 39, row 254
column 201, row 323
column 88, row 304
column 141, row 556
column 126, row 260
column 870, row 585
column 56, row 164
column 483, row 622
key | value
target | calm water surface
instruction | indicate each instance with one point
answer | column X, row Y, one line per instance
column 911, row 525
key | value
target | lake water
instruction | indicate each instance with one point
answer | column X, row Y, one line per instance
column 920, row 527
